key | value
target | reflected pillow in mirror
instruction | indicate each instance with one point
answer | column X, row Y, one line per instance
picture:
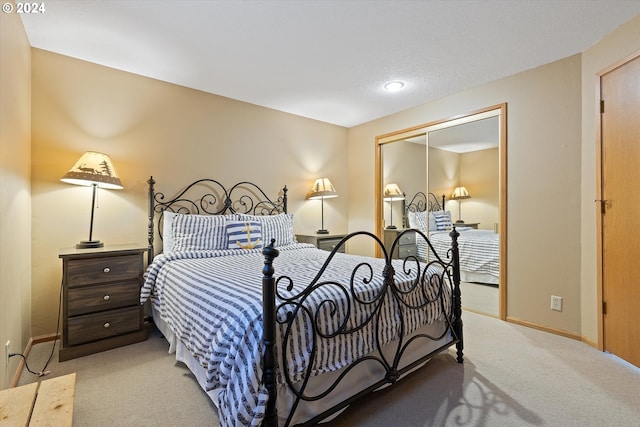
column 420, row 219
column 443, row 220
column 432, row 221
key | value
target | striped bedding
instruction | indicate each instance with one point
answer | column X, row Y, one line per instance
column 212, row 300
column 479, row 250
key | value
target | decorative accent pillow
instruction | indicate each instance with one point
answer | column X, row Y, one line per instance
column 244, row 235
column 443, row 220
column 278, row 227
column 199, row 232
column 432, row 221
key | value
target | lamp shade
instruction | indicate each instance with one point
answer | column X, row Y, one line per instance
column 322, row 189
column 392, row 193
column 460, row 193
column 94, row 169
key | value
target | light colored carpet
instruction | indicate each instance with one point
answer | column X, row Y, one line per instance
column 512, row 376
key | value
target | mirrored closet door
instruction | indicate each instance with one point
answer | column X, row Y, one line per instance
column 458, row 167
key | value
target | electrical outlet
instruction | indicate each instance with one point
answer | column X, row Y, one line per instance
column 556, row 303
column 7, row 350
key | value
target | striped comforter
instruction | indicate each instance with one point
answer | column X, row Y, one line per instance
column 479, row 249
column 212, row 300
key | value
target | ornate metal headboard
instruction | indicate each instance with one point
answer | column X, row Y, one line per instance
column 421, row 202
column 210, row 197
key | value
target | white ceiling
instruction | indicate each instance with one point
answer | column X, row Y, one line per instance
column 325, row 60
column 472, row 136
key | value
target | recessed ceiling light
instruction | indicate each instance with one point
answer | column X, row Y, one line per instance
column 394, row 86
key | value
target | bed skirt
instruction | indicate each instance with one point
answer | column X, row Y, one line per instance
column 358, row 379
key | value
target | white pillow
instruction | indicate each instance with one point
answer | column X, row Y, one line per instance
column 278, row 227
column 167, row 231
column 413, row 223
column 421, row 221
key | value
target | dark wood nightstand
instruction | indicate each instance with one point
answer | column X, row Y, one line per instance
column 101, row 299
column 322, row 241
column 467, row 224
column 406, row 246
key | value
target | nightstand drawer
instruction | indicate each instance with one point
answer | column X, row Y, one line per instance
column 407, row 250
column 329, row 244
column 91, row 327
column 407, row 239
column 101, row 270
column 89, row 299
column 406, row 245
column 322, row 241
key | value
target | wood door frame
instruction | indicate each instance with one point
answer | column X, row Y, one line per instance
column 599, row 183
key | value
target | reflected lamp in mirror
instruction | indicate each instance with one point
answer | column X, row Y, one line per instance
column 459, row 194
column 322, row 189
column 94, row 170
column 392, row 193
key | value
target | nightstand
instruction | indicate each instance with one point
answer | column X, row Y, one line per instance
column 101, row 299
column 325, row 242
column 467, row 224
column 406, row 246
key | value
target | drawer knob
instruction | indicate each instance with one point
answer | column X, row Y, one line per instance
column 106, row 269
column 106, row 325
column 106, row 297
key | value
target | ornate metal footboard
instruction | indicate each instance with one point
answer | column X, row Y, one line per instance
column 435, row 285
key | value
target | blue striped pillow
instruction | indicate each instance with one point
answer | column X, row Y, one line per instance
column 278, row 227
column 244, row 235
column 199, row 232
column 443, row 220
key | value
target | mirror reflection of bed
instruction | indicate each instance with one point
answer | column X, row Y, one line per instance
column 479, row 249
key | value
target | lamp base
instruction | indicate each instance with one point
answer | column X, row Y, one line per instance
column 392, row 227
column 87, row 244
column 323, row 231
column 459, row 221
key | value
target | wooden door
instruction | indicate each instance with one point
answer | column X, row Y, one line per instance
column 620, row 156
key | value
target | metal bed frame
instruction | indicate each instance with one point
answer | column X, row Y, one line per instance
column 281, row 308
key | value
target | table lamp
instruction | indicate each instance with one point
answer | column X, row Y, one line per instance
column 94, row 170
column 322, row 189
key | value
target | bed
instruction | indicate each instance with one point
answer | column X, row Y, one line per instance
column 479, row 250
column 278, row 332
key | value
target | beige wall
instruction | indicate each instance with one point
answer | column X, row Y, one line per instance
column 15, row 203
column 543, row 171
column 404, row 164
column 149, row 127
column 444, row 175
column 479, row 173
column 611, row 50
